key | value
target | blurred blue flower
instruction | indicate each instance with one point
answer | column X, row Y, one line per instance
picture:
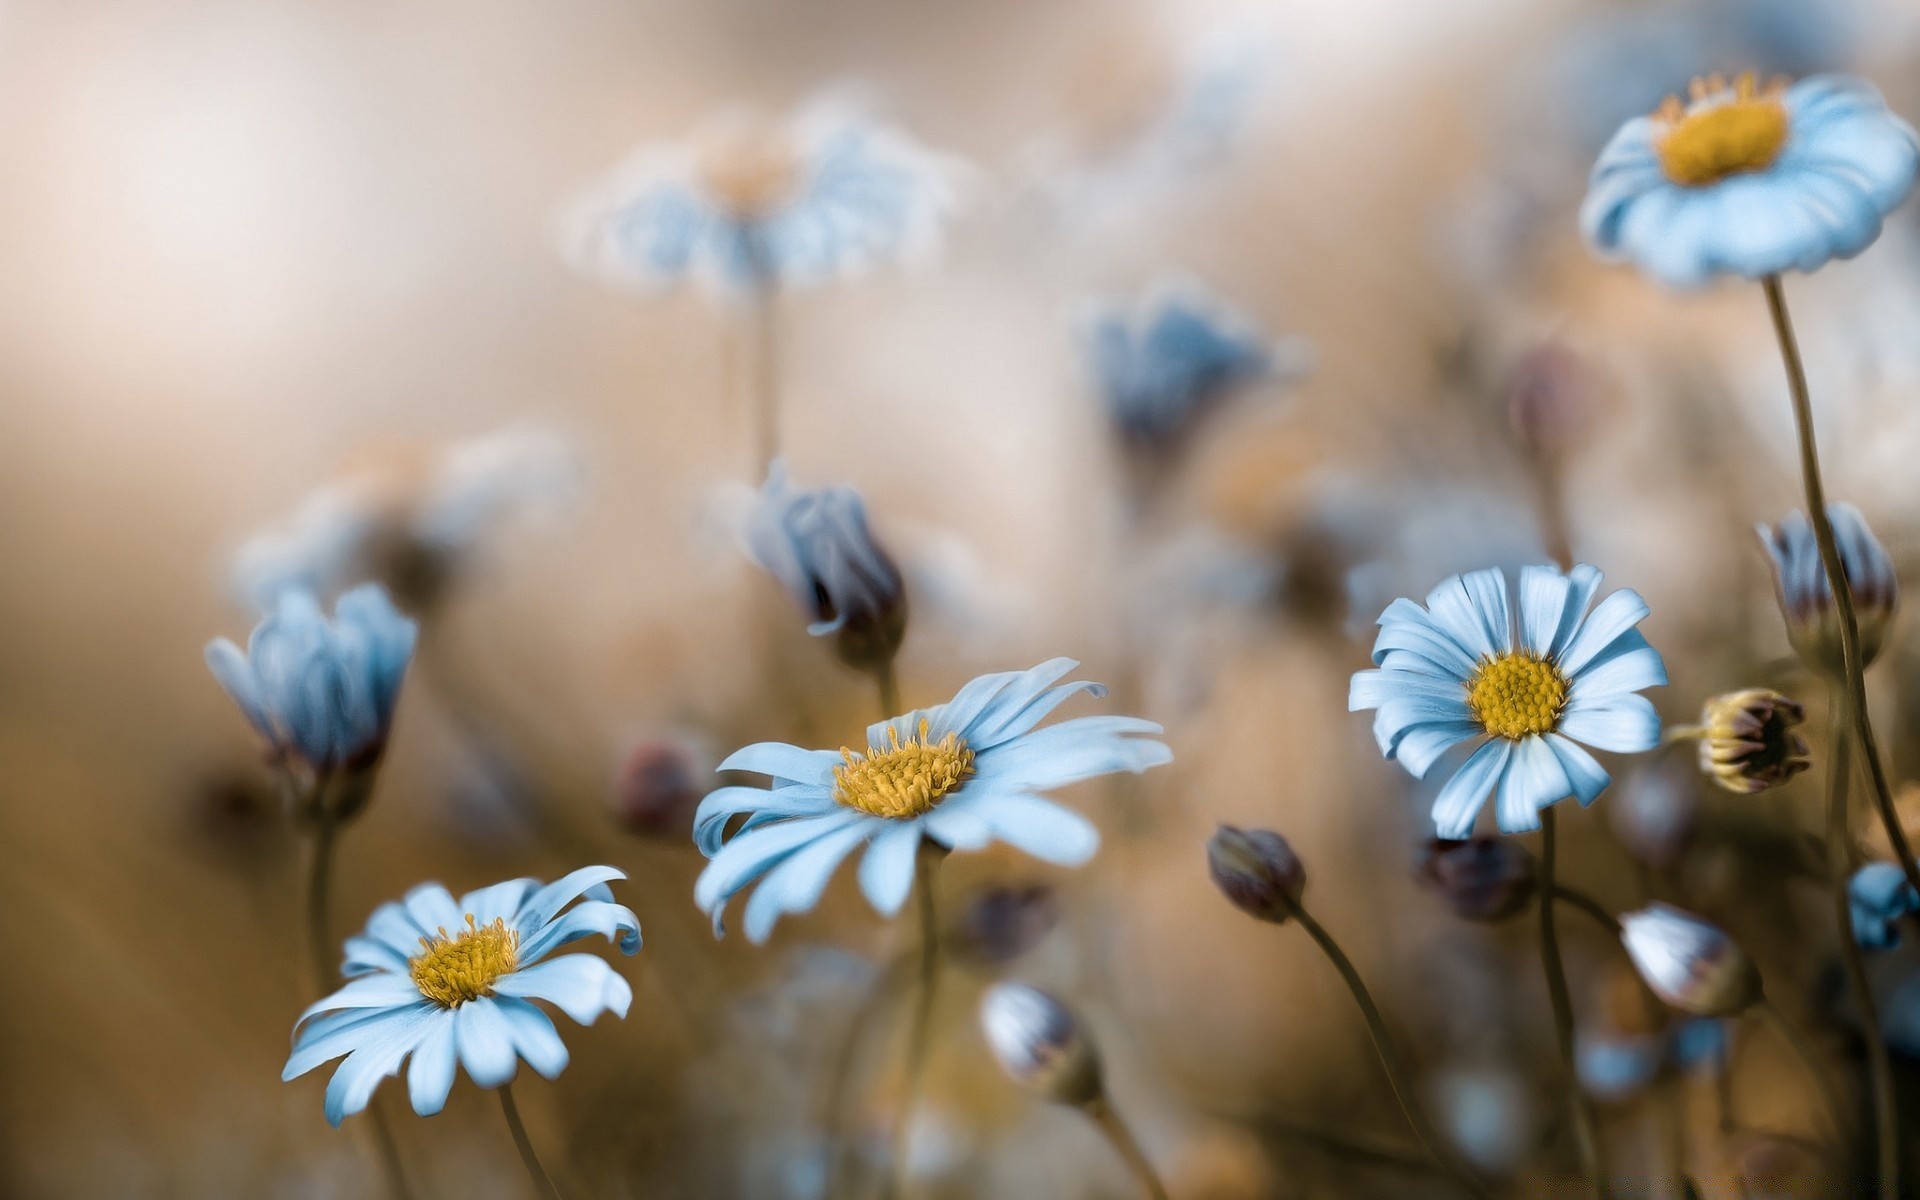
column 1455, row 670
column 320, row 691
column 465, row 998
column 747, row 206
column 1748, row 181
column 1162, row 365
column 817, row 544
column 1800, row 583
column 1879, row 896
column 959, row 774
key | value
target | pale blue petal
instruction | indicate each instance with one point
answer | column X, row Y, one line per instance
column 957, row 823
column 323, row 1038
column 430, row 1078
column 886, row 870
column 615, row 922
column 1534, row 779
column 430, row 906
column 370, row 991
column 1543, row 598
column 1589, row 779
column 1454, row 611
column 796, row 884
column 501, row 901
column 779, row 760
column 1488, row 591
column 230, row 668
column 540, row 907
column 485, row 1042
column 1612, row 617
column 1420, row 746
column 579, row 985
column 1408, row 627
column 534, row 1037
column 752, row 853
column 1459, row 801
column 1040, row 827
column 365, row 955
column 1623, row 724
column 1639, row 667
column 360, row 1073
column 1073, row 750
column 1583, row 582
column 723, row 804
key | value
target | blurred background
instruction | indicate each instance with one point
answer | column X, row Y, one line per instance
column 255, row 252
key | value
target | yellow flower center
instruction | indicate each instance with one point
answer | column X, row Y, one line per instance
column 905, row 779
column 1517, row 695
column 1724, row 131
column 453, row 969
column 749, row 169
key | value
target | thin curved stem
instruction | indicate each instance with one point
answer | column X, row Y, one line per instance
column 1881, row 1068
column 920, row 1029
column 1127, row 1146
column 1588, row 905
column 1585, row 1138
column 1429, row 1140
column 1852, row 660
column 889, row 682
column 542, row 1182
column 1776, row 1022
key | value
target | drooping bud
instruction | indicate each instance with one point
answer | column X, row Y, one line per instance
column 1258, row 871
column 1000, row 923
column 1481, row 879
column 660, row 785
column 1687, row 962
column 1800, row 582
column 1748, row 742
column 1879, row 895
column 1040, row 1043
column 818, row 545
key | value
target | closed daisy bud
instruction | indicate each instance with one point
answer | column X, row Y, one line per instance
column 1692, row 965
column 1481, row 879
column 1258, row 871
column 658, row 789
column 1800, row 582
column 1040, row 1044
column 1552, row 401
column 1748, row 743
column 1000, row 923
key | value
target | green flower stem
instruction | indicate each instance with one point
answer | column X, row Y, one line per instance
column 920, row 1028
column 1838, row 856
column 1389, row 1061
column 1771, row 1017
column 1851, row 659
column 1586, row 1140
column 1127, row 1146
column 542, row 1182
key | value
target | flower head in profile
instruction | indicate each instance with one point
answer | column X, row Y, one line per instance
column 1750, row 180
column 1748, row 742
column 1532, row 680
column 816, row 542
column 320, row 690
column 1164, row 363
column 749, row 204
column 452, row 982
column 1689, row 963
column 958, row 775
column 1879, row 896
column 1800, row 583
column 1040, row 1043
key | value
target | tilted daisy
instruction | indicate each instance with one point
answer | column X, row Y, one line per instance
column 959, row 774
column 749, row 204
column 1750, row 181
column 451, row 983
column 1460, row 669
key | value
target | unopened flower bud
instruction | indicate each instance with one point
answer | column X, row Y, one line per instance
column 1552, row 400
column 1257, row 871
column 1481, row 879
column 1040, row 1044
column 1655, row 811
column 659, row 786
column 1002, row 922
column 1800, row 582
column 1879, row 895
column 818, row 545
column 1748, row 743
column 1691, row 964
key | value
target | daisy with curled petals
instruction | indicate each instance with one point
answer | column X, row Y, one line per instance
column 451, row 983
column 957, row 775
column 1531, row 680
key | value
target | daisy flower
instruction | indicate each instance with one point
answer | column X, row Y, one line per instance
column 959, row 774
column 749, row 204
column 1459, row 669
column 1748, row 180
column 451, row 983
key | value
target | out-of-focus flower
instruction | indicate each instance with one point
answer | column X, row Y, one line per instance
column 1481, row 879
column 1691, row 964
column 1879, row 895
column 465, row 998
column 1164, row 363
column 750, row 204
column 1456, row 670
column 321, row 692
column 1749, row 181
column 818, row 545
column 1613, row 1065
column 1800, row 583
column 1258, row 871
column 659, row 787
column 959, row 775
column 1748, row 743
column 1654, row 812
column 998, row 924
column 1040, row 1043
column 1553, row 401
column 1487, row 1112
column 410, row 520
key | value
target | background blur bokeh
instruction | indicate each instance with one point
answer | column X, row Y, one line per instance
column 253, row 249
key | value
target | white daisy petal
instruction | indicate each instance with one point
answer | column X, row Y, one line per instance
column 378, row 1057
column 1459, row 801
column 886, row 870
column 484, row 1041
column 1623, row 724
column 1534, row 779
column 579, row 985
column 781, row 761
column 534, row 1037
column 430, row 1076
column 796, row 884
column 1611, row 618
column 1588, row 777
column 1040, row 827
column 1543, row 599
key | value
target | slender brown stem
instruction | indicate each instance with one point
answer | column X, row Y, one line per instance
column 1588, row 905
column 1127, row 1146
column 920, row 1028
column 763, row 373
column 1585, row 1139
column 1389, row 1061
column 1880, row 1066
column 889, row 682
column 1852, row 660
column 1776, row 1022
column 542, row 1182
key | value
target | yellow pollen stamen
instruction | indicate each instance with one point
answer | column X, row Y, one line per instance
column 1723, row 131
column 453, row 969
column 904, row 779
column 1517, row 695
